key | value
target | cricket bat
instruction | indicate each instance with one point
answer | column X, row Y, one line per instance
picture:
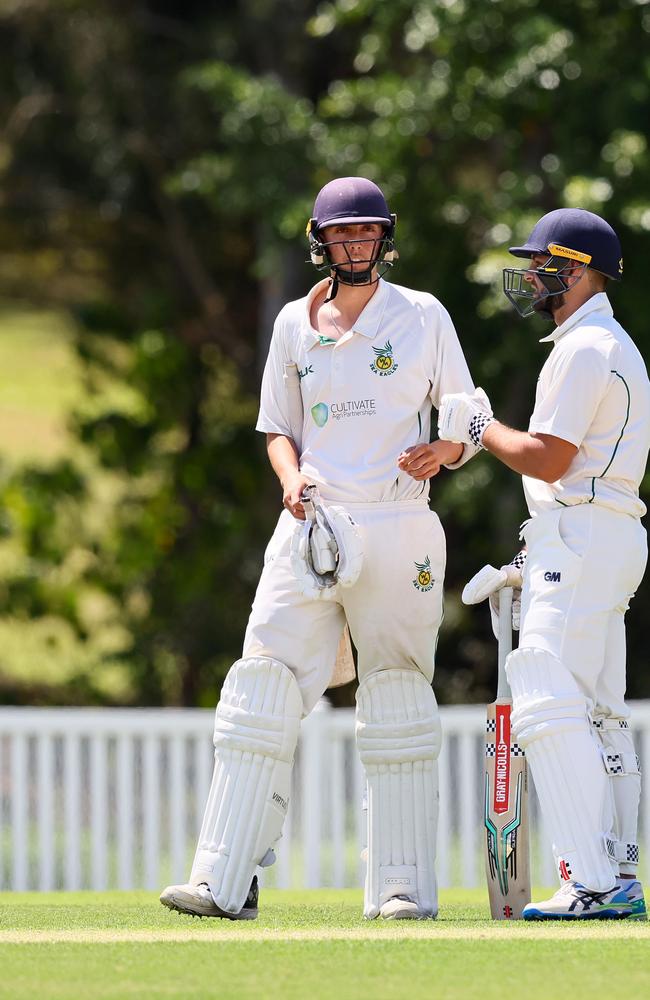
column 507, row 858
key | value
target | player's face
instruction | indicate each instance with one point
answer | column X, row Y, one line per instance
column 353, row 244
column 537, row 260
column 553, row 303
column 542, row 304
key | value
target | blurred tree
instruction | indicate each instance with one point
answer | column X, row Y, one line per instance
column 159, row 160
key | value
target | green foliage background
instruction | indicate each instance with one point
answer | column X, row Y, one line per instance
column 158, row 162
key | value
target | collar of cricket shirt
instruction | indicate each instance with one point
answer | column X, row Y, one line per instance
column 367, row 323
column 597, row 303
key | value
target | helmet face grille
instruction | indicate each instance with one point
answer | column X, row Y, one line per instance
column 526, row 297
column 381, row 256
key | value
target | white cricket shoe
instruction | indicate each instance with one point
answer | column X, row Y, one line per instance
column 197, row 901
column 573, row 901
column 401, row 908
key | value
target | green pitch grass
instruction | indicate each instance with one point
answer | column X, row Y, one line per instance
column 312, row 944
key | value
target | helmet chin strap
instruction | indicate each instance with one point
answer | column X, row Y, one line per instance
column 334, row 287
column 351, row 278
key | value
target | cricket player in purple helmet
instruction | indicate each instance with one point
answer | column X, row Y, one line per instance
column 353, row 372
column 582, row 460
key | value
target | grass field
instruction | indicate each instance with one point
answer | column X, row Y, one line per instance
column 311, row 944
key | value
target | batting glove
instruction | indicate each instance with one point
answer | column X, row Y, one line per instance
column 463, row 417
column 489, row 581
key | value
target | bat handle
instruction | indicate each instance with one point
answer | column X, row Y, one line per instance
column 505, row 639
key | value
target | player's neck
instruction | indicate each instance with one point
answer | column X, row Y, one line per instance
column 573, row 300
column 351, row 300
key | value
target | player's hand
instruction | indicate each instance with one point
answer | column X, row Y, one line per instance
column 463, row 416
column 489, row 581
column 423, row 461
column 292, row 489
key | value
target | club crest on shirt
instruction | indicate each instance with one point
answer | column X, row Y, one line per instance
column 424, row 580
column 384, row 363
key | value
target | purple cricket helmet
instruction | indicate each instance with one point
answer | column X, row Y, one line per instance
column 352, row 201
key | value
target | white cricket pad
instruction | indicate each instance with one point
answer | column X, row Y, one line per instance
column 550, row 722
column 398, row 735
column 622, row 766
column 255, row 736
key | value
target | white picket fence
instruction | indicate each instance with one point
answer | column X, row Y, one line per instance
column 112, row 798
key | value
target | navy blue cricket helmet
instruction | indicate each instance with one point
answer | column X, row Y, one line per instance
column 569, row 236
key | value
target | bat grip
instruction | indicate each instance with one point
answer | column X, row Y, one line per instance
column 505, row 639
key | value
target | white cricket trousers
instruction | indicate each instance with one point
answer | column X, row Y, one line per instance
column 584, row 564
column 394, row 609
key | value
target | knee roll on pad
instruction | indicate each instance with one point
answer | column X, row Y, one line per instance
column 256, row 731
column 545, row 696
column 622, row 766
column 398, row 735
column 550, row 721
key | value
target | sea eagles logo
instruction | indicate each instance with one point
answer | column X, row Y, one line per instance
column 383, row 363
column 424, row 581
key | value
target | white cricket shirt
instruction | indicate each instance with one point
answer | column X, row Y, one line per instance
column 594, row 392
column 368, row 395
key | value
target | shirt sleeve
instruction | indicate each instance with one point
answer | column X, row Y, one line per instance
column 449, row 370
column 569, row 394
column 274, row 414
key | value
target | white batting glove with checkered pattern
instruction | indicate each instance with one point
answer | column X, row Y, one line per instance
column 463, row 417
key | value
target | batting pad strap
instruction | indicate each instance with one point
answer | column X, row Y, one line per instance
column 624, row 852
column 602, row 724
column 620, row 763
column 256, row 731
column 398, row 735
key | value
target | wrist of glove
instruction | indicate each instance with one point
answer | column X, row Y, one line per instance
column 464, row 417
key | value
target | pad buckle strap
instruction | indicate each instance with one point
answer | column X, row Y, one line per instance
column 620, row 763
column 623, row 852
column 603, row 723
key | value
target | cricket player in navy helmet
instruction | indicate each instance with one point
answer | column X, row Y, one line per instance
column 582, row 460
column 353, row 372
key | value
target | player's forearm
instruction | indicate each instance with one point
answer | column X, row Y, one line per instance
column 527, row 454
column 283, row 456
